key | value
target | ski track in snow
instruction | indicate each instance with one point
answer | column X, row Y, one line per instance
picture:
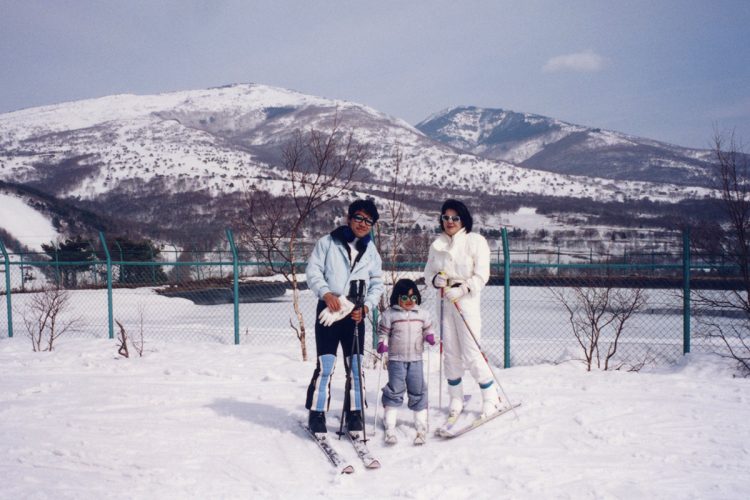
column 200, row 420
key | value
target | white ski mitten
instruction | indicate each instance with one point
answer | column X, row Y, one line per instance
column 456, row 292
column 328, row 317
column 440, row 280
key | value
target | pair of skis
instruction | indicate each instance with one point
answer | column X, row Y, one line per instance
column 450, row 431
column 360, row 447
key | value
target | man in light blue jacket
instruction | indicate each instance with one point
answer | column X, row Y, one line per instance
column 343, row 265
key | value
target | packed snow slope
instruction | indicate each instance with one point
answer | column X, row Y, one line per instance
column 25, row 223
column 191, row 420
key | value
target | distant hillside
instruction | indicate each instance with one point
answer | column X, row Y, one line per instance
column 544, row 143
column 64, row 219
column 176, row 165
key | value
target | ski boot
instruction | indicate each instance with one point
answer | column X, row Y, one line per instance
column 420, row 423
column 317, row 422
column 490, row 400
column 389, row 420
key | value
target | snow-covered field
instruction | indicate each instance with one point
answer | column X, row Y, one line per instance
column 206, row 420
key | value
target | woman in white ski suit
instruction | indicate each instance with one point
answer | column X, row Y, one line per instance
column 458, row 266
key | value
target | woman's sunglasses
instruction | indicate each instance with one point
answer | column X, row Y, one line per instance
column 452, row 218
column 359, row 218
column 404, row 298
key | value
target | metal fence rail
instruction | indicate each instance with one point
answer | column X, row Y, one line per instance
column 528, row 307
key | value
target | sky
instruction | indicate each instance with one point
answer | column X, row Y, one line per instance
column 672, row 70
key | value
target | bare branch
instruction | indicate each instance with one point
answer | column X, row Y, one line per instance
column 321, row 166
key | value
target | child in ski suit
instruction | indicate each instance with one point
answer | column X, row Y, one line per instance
column 402, row 332
column 458, row 266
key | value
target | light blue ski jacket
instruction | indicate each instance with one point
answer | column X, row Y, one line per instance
column 329, row 269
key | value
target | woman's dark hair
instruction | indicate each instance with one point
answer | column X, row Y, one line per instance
column 367, row 206
column 402, row 287
column 462, row 212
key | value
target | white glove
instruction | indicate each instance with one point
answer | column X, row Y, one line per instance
column 456, row 292
column 440, row 280
column 328, row 317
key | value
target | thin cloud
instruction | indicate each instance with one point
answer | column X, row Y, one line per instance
column 582, row 62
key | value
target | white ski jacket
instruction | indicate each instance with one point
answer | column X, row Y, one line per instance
column 404, row 331
column 464, row 258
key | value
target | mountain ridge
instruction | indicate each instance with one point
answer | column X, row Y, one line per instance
column 187, row 157
column 544, row 143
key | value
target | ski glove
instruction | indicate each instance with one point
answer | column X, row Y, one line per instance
column 440, row 280
column 328, row 317
column 382, row 348
column 430, row 339
column 456, row 292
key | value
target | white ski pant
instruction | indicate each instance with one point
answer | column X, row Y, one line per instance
column 460, row 351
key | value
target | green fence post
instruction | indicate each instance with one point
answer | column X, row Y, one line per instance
column 235, row 268
column 7, row 289
column 686, row 291
column 110, row 312
column 506, row 299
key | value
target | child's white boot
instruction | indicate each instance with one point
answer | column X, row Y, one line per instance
column 456, row 405
column 490, row 401
column 389, row 420
column 420, row 423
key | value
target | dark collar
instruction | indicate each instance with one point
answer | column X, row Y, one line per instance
column 345, row 235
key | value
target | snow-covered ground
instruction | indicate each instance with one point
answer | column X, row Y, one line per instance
column 206, row 420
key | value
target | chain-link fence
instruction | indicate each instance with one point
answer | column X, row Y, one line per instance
column 619, row 311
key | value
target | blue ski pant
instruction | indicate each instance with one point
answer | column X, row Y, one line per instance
column 327, row 341
column 405, row 377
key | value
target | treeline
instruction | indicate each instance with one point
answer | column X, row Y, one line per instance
column 77, row 256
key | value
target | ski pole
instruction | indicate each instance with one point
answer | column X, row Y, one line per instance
column 440, row 380
column 474, row 338
column 348, row 388
column 427, row 387
column 360, row 374
column 377, row 400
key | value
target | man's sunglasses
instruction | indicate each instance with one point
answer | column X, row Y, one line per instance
column 452, row 218
column 404, row 298
column 359, row 218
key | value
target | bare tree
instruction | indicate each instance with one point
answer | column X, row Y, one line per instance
column 124, row 339
column 320, row 166
column 598, row 314
column 395, row 237
column 714, row 310
column 43, row 318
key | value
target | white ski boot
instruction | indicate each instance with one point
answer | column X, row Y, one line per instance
column 389, row 420
column 490, row 401
column 420, row 423
column 456, row 405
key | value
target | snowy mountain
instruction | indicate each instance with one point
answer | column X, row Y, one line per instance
column 544, row 143
column 186, row 157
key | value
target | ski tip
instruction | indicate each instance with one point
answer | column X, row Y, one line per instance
column 347, row 470
column 373, row 465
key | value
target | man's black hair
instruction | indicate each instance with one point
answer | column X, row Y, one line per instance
column 367, row 206
column 462, row 211
column 402, row 287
